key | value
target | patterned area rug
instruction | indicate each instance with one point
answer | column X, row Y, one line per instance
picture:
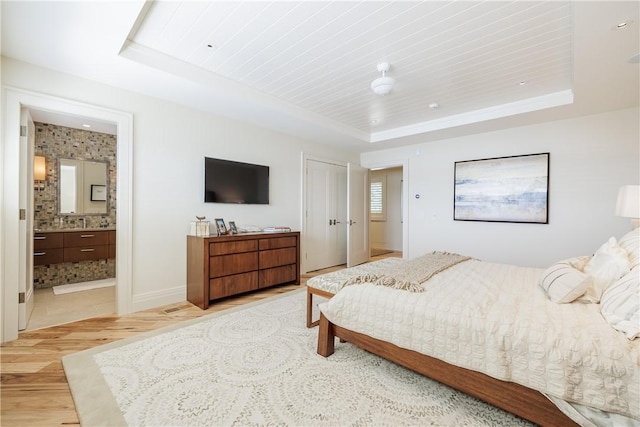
column 257, row 365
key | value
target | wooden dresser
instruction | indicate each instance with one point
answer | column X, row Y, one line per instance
column 73, row 246
column 221, row 266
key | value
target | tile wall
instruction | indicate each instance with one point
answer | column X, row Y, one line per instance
column 55, row 142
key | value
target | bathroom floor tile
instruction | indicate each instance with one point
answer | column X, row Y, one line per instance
column 50, row 309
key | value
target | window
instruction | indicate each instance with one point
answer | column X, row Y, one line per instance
column 378, row 197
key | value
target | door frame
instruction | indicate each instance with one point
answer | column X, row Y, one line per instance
column 404, row 164
column 14, row 100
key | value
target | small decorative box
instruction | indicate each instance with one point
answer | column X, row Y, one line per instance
column 199, row 228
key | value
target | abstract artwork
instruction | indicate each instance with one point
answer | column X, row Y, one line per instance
column 502, row 189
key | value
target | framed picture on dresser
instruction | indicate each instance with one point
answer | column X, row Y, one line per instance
column 232, row 227
column 220, row 226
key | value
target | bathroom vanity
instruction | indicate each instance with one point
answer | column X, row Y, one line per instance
column 56, row 247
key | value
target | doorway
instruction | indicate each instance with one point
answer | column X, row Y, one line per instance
column 77, row 158
column 14, row 232
column 385, row 228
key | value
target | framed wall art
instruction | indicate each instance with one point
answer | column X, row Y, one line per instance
column 502, row 189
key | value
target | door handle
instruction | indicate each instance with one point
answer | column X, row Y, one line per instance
column 351, row 222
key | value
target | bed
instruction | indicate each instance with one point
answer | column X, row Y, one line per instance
column 548, row 353
column 328, row 284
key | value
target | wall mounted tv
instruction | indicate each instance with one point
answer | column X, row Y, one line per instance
column 226, row 181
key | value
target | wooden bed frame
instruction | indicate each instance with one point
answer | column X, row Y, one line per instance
column 310, row 293
column 515, row 398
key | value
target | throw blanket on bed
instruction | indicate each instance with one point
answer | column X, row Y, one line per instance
column 409, row 275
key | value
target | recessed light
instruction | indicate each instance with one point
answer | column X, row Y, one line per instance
column 522, row 83
column 86, row 126
column 434, row 106
column 211, row 46
column 373, row 121
column 622, row 25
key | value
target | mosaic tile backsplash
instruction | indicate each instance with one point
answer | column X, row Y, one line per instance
column 48, row 276
column 55, row 142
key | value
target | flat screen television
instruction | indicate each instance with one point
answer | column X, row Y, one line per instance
column 226, row 181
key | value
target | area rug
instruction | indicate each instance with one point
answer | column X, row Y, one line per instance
column 257, row 365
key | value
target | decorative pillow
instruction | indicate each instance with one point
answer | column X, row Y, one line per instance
column 630, row 242
column 608, row 264
column 564, row 281
column 620, row 304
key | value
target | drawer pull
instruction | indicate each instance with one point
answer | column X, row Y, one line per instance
column 87, row 250
column 39, row 253
column 84, row 236
column 40, row 238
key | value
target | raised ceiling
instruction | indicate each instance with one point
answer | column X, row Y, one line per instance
column 305, row 67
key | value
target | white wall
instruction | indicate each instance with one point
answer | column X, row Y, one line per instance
column 388, row 234
column 170, row 142
column 591, row 157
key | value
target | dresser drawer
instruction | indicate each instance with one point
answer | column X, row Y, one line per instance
column 86, row 253
column 47, row 240
column 231, row 285
column 277, row 275
column 48, row 256
column 225, row 265
column 224, row 248
column 278, row 257
column 278, row 242
column 89, row 238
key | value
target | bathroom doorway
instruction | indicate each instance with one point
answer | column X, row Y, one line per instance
column 75, row 157
column 13, row 166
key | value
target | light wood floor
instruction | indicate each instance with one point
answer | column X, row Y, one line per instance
column 34, row 390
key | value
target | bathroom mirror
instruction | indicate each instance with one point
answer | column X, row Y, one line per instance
column 83, row 187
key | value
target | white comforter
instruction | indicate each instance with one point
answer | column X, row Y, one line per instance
column 494, row 318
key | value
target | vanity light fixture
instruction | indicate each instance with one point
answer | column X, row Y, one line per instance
column 39, row 172
column 39, row 168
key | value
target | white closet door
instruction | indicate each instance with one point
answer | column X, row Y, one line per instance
column 326, row 215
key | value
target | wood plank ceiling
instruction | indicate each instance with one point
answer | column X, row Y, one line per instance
column 321, row 56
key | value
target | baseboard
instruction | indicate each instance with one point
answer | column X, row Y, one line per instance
column 155, row 299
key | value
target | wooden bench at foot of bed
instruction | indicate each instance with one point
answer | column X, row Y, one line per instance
column 515, row 398
column 310, row 293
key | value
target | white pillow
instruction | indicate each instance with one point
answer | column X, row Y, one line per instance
column 564, row 281
column 608, row 264
column 620, row 304
column 630, row 242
